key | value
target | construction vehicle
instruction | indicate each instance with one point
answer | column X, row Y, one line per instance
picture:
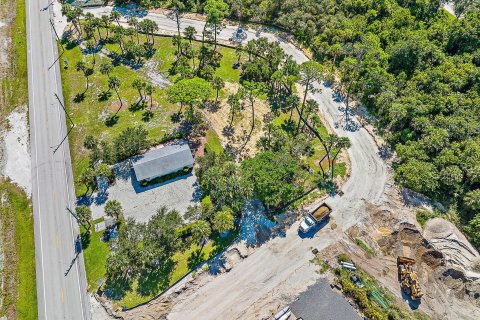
column 321, row 213
column 408, row 278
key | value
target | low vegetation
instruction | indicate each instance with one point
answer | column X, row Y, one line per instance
column 374, row 301
column 18, row 290
column 19, row 295
column 365, row 247
column 145, row 259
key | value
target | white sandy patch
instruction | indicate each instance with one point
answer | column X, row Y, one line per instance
column 17, row 147
column 97, row 311
column 1, row 23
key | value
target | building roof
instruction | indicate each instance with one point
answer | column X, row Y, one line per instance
column 162, row 161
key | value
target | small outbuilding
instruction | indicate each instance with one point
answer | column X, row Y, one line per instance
column 163, row 161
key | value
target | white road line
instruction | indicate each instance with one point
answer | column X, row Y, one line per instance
column 36, row 157
column 65, row 166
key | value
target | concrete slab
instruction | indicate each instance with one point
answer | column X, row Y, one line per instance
column 142, row 202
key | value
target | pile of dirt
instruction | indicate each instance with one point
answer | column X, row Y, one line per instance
column 458, row 252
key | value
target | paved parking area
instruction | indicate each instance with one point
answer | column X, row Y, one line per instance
column 320, row 302
column 142, row 202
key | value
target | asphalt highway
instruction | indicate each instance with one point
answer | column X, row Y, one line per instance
column 61, row 282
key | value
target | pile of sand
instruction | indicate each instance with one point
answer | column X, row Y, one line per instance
column 457, row 251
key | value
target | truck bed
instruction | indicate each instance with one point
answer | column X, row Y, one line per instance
column 321, row 211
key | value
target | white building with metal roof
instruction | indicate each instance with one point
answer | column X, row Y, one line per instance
column 162, row 161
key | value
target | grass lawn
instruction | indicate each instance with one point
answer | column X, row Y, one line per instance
column 89, row 110
column 96, row 253
column 213, row 142
column 19, row 291
column 90, row 113
column 15, row 85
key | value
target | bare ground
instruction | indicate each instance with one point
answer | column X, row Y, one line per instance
column 237, row 139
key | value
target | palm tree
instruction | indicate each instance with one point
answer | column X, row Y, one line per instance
column 133, row 22
column 105, row 22
column 115, row 16
column 84, row 215
column 149, row 90
column 106, row 68
column 91, row 46
column 217, row 84
column 81, row 66
column 139, row 85
column 310, row 72
column 190, row 33
column 114, row 83
column 200, row 233
column 113, row 208
column 235, row 106
column 223, row 220
column 339, row 144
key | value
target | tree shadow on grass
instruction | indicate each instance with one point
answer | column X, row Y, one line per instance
column 112, row 120
column 139, row 105
column 104, row 95
column 79, row 97
column 147, row 116
column 196, row 258
column 155, row 279
column 85, row 239
column 116, row 288
column 176, row 117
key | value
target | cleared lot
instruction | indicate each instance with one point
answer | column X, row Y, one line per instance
column 142, row 202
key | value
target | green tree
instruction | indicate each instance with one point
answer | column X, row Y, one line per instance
column 113, row 208
column 216, row 11
column 161, row 233
column 84, row 216
column 217, row 84
column 192, row 92
column 235, row 106
column 90, row 142
column 88, row 179
column 204, row 211
column 310, row 73
column 139, row 85
column 223, row 220
column 200, row 232
column 179, row 7
column 130, row 142
column 91, row 47
column 418, row 175
column 472, row 200
column 106, row 68
column 274, row 177
column 128, row 259
column 473, row 230
column 190, row 33
column 114, row 83
column 250, row 92
column 104, row 170
column 149, row 91
column 87, row 72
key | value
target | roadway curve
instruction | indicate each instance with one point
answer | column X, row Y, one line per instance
column 61, row 284
column 280, row 268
